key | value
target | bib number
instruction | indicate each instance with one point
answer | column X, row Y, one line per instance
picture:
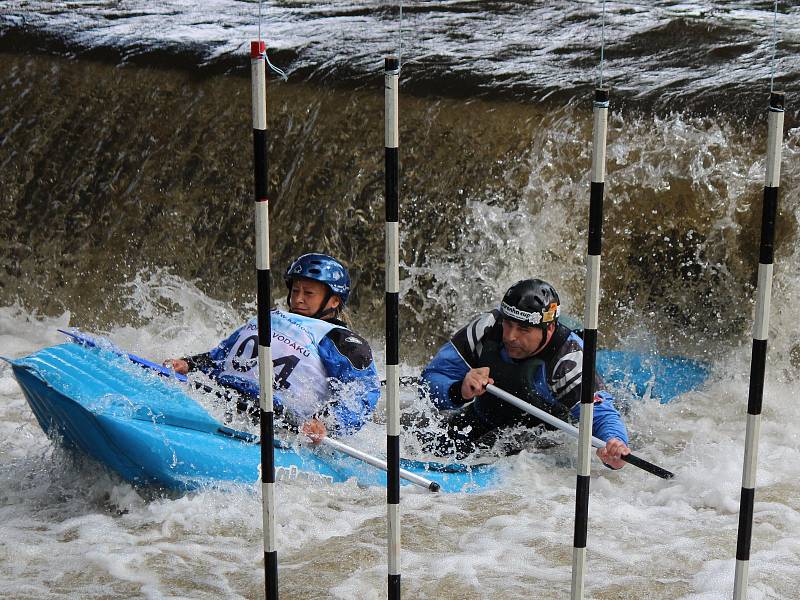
column 239, row 361
column 286, row 365
column 245, row 359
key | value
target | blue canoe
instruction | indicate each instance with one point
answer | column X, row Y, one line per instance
column 147, row 429
column 152, row 433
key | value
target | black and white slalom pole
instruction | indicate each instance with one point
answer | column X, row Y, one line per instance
column 264, row 301
column 590, row 319
column 391, row 84
column 760, row 334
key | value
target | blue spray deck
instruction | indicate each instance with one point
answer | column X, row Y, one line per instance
column 152, row 433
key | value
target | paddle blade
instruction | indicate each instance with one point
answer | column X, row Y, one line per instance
column 648, row 466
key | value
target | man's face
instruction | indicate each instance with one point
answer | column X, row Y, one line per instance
column 523, row 341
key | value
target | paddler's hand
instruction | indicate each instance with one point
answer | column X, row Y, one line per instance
column 612, row 453
column 315, row 430
column 475, row 382
column 178, row 365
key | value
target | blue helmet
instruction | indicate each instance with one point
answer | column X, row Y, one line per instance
column 322, row 268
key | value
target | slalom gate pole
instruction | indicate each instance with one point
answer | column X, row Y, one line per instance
column 760, row 334
column 392, row 175
column 264, row 301
column 590, row 319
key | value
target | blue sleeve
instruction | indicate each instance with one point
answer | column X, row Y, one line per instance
column 355, row 391
column 222, row 349
column 241, row 384
column 446, row 368
column 607, row 422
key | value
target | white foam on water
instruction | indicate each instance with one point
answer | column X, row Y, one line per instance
column 69, row 525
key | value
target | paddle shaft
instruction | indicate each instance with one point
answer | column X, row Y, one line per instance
column 344, row 449
column 572, row 430
column 380, row 464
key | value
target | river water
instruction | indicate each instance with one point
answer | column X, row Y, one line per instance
column 125, row 210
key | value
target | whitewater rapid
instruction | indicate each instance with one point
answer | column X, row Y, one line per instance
column 71, row 529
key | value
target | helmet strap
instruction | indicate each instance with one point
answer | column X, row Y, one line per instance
column 545, row 332
column 324, row 312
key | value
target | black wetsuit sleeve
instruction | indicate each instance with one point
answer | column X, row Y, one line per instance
column 454, row 394
column 200, row 362
column 351, row 346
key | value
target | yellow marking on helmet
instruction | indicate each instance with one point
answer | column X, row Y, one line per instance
column 550, row 313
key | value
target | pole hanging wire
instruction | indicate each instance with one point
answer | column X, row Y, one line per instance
column 603, row 44
column 279, row 72
column 774, row 48
column 400, row 39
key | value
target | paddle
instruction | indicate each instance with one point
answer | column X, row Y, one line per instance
column 380, row 464
column 344, row 449
column 242, row 435
column 143, row 362
column 572, row 430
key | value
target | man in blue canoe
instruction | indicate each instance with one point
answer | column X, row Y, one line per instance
column 324, row 374
column 523, row 349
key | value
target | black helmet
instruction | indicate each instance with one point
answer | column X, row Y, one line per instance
column 531, row 302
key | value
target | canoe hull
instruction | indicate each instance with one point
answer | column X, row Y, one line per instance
column 152, row 433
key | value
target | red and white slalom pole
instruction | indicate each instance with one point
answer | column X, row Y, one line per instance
column 760, row 335
column 264, row 302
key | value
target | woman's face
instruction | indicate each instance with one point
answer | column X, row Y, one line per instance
column 307, row 296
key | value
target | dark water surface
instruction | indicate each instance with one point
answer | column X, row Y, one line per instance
column 108, row 171
column 687, row 56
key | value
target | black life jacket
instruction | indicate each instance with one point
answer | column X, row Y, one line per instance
column 518, row 378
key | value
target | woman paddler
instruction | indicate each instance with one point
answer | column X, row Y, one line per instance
column 324, row 374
